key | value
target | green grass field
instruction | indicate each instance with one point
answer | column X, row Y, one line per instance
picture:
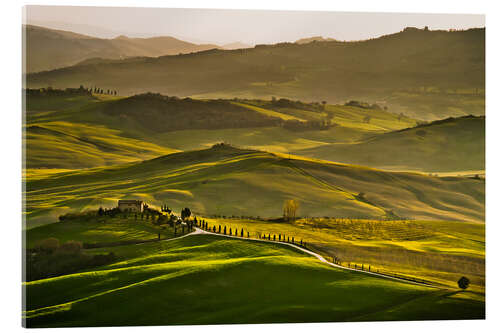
column 75, row 146
column 211, row 280
column 436, row 251
column 98, row 230
column 456, row 144
column 251, row 130
column 68, row 132
column 228, row 181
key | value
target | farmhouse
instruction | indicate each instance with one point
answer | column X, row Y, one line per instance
column 131, row 205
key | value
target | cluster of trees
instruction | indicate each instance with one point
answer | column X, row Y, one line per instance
column 97, row 90
column 50, row 258
column 49, row 91
column 224, row 230
column 165, row 209
column 309, row 125
column 170, row 113
column 82, row 90
column 286, row 103
column 290, row 208
column 185, row 213
column 365, row 105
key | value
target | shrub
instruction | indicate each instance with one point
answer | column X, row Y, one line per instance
column 71, row 247
column 463, row 282
column 421, row 133
column 48, row 245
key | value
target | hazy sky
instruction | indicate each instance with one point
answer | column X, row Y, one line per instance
column 248, row 26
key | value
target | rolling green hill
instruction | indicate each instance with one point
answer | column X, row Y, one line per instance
column 48, row 49
column 175, row 282
column 227, row 181
column 91, row 130
column 453, row 144
column 75, row 146
column 425, row 74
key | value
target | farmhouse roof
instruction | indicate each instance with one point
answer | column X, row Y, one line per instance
column 129, row 201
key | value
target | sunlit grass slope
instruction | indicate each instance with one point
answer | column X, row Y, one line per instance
column 343, row 115
column 437, row 251
column 228, row 181
column 211, row 280
column 97, row 230
column 455, row 144
column 55, row 136
column 74, row 132
column 62, row 144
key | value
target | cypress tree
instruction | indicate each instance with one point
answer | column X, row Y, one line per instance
column 219, row 229
column 224, row 230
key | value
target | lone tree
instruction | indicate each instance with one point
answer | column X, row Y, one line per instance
column 463, row 282
column 185, row 213
column 290, row 209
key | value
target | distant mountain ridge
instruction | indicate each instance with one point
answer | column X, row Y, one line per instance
column 424, row 74
column 48, row 49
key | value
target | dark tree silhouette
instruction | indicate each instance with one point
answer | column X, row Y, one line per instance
column 185, row 213
column 463, row 282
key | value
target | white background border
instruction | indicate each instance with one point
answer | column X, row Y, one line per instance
column 10, row 129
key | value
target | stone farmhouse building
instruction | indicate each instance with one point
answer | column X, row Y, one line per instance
column 131, row 205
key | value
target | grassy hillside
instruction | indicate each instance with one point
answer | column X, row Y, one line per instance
column 454, row 144
column 74, row 146
column 48, row 49
column 239, row 281
column 437, row 251
column 425, row 74
column 95, row 130
column 54, row 139
column 98, row 229
column 229, row 181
